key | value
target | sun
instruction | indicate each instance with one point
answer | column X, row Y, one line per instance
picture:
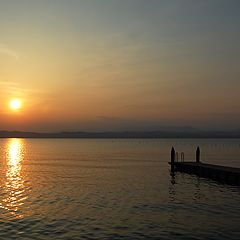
column 15, row 104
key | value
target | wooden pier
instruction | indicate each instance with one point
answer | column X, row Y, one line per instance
column 228, row 175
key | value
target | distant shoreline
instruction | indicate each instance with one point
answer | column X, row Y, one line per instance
column 123, row 135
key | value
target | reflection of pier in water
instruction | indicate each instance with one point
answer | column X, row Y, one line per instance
column 14, row 184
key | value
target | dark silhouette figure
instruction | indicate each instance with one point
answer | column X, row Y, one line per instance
column 173, row 154
column 198, row 155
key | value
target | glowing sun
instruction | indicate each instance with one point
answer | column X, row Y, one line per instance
column 15, row 104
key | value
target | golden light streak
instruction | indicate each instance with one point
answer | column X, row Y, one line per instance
column 14, row 183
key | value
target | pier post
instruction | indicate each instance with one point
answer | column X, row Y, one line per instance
column 198, row 155
column 173, row 154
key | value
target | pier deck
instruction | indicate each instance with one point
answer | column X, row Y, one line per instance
column 229, row 175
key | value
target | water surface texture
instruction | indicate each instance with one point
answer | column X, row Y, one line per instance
column 114, row 189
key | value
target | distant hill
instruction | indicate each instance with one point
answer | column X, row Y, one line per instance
column 173, row 133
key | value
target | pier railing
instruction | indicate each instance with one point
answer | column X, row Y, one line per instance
column 182, row 157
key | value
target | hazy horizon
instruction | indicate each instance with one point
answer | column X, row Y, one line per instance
column 119, row 65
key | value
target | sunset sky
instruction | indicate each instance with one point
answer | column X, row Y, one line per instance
column 119, row 64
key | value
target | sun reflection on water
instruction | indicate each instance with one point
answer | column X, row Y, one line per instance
column 14, row 157
column 14, row 189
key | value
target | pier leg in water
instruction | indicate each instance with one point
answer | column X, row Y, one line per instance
column 173, row 154
column 198, row 155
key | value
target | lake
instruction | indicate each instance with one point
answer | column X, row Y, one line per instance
column 114, row 189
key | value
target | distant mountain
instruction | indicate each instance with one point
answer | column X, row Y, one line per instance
column 167, row 133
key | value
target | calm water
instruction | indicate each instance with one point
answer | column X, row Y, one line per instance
column 114, row 189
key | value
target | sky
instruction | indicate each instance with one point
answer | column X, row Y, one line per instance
column 113, row 65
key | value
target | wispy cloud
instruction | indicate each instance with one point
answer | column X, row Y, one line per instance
column 9, row 86
column 4, row 50
column 3, row 83
column 15, row 88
